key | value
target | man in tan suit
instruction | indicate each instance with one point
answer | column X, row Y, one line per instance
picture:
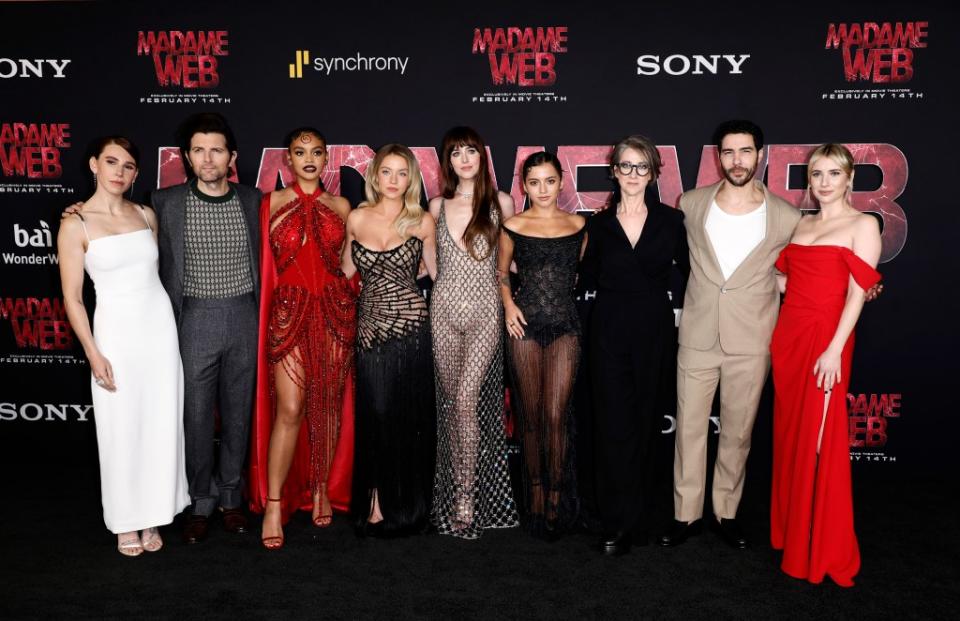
column 735, row 229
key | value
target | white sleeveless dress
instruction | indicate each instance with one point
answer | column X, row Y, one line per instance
column 140, row 426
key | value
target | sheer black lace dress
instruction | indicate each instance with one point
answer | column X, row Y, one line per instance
column 472, row 490
column 395, row 418
column 544, row 367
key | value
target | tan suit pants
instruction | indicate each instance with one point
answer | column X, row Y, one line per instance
column 741, row 378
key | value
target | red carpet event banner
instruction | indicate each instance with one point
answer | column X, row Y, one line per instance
column 571, row 78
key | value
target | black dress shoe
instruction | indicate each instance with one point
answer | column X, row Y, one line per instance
column 680, row 532
column 234, row 521
column 730, row 531
column 615, row 544
column 196, row 528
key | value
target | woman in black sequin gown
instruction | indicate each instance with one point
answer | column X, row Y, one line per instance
column 395, row 418
column 542, row 321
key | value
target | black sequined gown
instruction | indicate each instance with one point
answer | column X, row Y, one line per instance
column 395, row 417
column 544, row 368
column 472, row 490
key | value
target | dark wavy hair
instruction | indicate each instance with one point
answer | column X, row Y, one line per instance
column 484, row 194
column 738, row 126
column 204, row 123
column 538, row 159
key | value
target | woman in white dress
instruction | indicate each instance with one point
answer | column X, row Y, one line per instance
column 137, row 376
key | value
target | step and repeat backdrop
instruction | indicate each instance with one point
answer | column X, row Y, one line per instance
column 569, row 77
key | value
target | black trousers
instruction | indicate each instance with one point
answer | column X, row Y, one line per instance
column 629, row 352
column 218, row 346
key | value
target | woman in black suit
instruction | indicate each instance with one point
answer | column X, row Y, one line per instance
column 631, row 249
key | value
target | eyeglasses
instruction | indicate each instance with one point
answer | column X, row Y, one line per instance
column 625, row 168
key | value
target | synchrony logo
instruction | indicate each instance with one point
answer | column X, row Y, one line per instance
column 11, row 68
column 353, row 63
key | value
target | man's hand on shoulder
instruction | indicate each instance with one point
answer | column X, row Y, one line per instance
column 75, row 208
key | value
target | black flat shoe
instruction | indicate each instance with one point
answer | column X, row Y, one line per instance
column 731, row 533
column 615, row 544
column 680, row 532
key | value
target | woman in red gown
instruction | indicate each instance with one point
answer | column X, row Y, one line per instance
column 826, row 269
column 307, row 330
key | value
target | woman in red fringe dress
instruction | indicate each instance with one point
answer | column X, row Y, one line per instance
column 826, row 269
column 305, row 367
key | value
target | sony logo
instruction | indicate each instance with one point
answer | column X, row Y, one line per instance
column 44, row 411
column 679, row 64
column 32, row 67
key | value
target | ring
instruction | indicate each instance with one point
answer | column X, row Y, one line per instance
column 99, row 381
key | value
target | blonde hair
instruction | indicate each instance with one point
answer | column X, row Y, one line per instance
column 837, row 152
column 411, row 213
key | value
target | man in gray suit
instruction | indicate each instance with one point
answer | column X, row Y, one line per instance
column 209, row 242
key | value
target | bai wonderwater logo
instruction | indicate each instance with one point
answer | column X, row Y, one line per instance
column 187, row 59
column 521, row 57
column 879, row 54
column 33, row 245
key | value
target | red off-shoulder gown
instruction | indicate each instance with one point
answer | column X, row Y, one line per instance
column 811, row 513
column 307, row 314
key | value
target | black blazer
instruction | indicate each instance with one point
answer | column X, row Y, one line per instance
column 170, row 205
column 611, row 265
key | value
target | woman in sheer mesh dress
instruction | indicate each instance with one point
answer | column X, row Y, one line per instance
column 542, row 321
column 395, row 417
column 472, row 485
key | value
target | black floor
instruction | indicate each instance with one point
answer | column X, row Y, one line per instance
column 59, row 562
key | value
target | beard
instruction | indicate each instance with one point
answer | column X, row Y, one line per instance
column 728, row 174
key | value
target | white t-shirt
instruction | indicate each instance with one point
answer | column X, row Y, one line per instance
column 733, row 237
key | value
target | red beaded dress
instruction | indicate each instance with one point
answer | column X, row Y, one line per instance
column 811, row 513
column 307, row 330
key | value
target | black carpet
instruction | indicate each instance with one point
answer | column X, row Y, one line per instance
column 59, row 562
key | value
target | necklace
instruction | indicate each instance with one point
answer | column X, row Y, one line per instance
column 464, row 194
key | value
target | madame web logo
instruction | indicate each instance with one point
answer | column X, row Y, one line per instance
column 877, row 52
column 524, row 57
column 186, row 58
column 776, row 164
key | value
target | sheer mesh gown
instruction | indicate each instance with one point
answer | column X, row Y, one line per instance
column 395, row 418
column 544, row 367
column 472, row 488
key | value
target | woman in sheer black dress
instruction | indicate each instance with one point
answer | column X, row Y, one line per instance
column 542, row 322
column 633, row 245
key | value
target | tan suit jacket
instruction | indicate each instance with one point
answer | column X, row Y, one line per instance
column 741, row 311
